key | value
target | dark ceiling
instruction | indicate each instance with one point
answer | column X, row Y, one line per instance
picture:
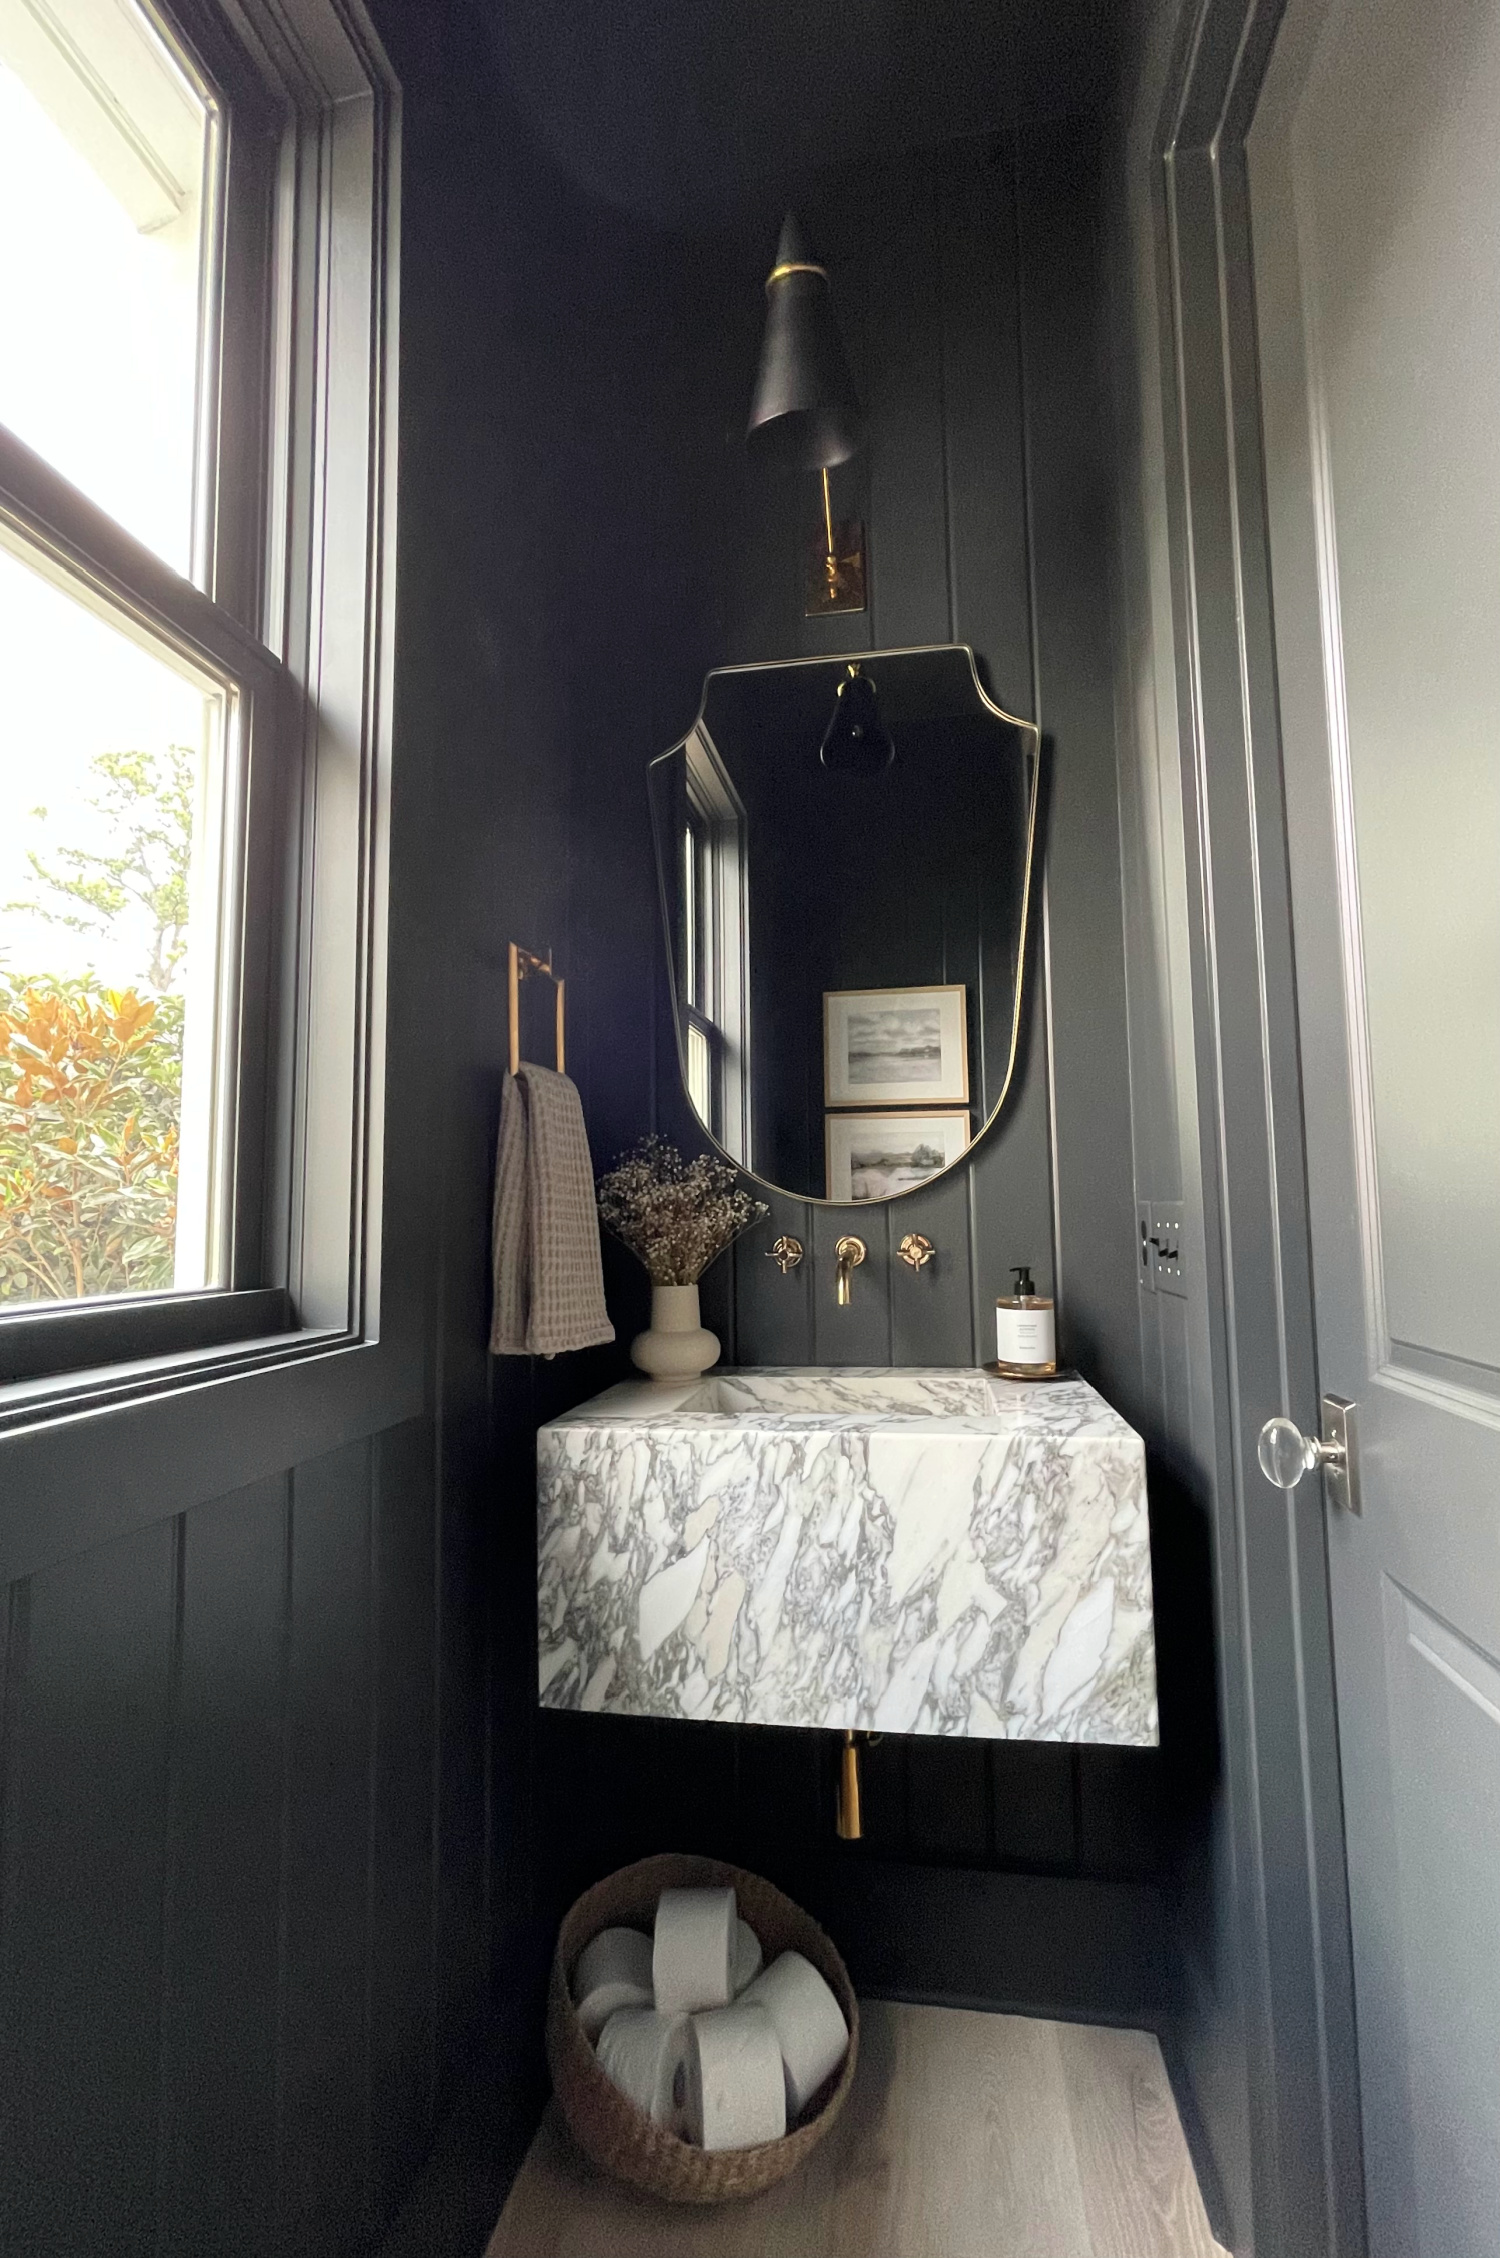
column 701, row 112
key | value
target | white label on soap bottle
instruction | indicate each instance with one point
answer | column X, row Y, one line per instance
column 1024, row 1336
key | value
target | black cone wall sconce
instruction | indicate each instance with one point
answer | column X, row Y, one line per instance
column 805, row 411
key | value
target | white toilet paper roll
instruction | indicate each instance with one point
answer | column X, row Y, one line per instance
column 648, row 2056
column 808, row 2021
column 613, row 1971
column 746, row 1958
column 736, row 2087
column 691, row 1955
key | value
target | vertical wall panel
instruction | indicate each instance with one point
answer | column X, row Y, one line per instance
column 861, row 1333
column 465, row 1872
column 986, row 474
column 931, row 1313
column 948, row 1801
column 402, row 2069
column 1066, row 408
column 772, row 1313
column 909, row 599
column 85, row 1834
column 1034, row 1803
column 324, row 2124
column 219, row 2010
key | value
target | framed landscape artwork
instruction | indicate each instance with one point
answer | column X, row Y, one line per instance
column 896, row 1046
column 872, row 1156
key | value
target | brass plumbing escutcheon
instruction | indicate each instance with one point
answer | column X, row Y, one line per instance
column 849, row 1254
column 916, row 1250
column 786, row 1254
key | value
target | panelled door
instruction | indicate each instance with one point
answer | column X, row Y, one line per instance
column 1375, row 203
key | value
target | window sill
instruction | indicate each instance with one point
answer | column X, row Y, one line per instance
column 107, row 1381
column 38, row 1341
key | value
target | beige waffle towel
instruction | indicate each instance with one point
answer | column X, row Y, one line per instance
column 549, row 1281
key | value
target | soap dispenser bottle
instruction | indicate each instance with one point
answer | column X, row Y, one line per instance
column 1025, row 1333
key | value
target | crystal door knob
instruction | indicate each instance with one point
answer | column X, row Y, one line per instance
column 1286, row 1454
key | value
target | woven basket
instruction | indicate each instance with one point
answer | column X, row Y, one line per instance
column 609, row 2128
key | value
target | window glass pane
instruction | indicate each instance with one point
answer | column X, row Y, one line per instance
column 700, row 1074
column 104, row 154
column 690, row 912
column 113, row 755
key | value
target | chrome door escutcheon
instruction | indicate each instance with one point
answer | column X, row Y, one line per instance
column 1286, row 1454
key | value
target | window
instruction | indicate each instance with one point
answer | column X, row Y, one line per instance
column 715, row 951
column 117, row 756
column 184, row 883
column 108, row 147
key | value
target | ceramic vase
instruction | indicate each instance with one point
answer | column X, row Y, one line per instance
column 676, row 1347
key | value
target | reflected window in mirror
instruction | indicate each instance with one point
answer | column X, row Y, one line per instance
column 713, row 928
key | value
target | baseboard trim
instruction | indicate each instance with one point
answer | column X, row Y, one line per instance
column 1040, row 1944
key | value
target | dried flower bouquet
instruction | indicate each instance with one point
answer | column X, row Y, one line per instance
column 676, row 1215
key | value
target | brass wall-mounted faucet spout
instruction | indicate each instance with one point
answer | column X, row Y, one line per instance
column 849, row 1253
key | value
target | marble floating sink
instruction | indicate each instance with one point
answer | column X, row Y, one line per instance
column 900, row 1551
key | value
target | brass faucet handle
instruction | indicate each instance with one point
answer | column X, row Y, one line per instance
column 786, row 1254
column 916, row 1250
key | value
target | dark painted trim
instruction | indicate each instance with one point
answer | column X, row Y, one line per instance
column 75, row 1482
column 76, row 1335
column 1282, row 1756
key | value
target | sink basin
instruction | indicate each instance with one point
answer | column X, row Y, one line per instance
column 893, row 1550
column 839, row 1395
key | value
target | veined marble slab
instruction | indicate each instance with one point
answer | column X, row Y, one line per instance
column 900, row 1551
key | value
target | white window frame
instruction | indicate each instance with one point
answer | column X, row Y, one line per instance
column 296, row 558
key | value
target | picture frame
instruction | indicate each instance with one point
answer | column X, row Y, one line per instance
column 877, row 1156
column 896, row 1046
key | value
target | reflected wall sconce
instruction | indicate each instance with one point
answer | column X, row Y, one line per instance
column 806, row 411
column 856, row 741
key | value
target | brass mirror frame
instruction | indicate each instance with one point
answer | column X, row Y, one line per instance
column 1032, row 755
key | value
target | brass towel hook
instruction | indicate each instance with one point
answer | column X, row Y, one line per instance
column 522, row 965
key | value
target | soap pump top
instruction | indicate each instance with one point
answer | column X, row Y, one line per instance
column 1025, row 1285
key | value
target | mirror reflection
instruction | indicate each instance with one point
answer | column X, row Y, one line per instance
column 844, row 848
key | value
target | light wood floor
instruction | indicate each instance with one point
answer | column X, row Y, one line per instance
column 966, row 2136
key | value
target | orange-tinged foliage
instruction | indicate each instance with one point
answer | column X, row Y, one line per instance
column 90, row 1085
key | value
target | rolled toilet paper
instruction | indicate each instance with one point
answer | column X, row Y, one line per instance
column 648, row 2056
column 736, row 2086
column 613, row 1971
column 691, row 1957
column 808, row 2022
column 746, row 1957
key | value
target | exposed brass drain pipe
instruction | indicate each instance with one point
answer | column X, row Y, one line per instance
column 846, row 1816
